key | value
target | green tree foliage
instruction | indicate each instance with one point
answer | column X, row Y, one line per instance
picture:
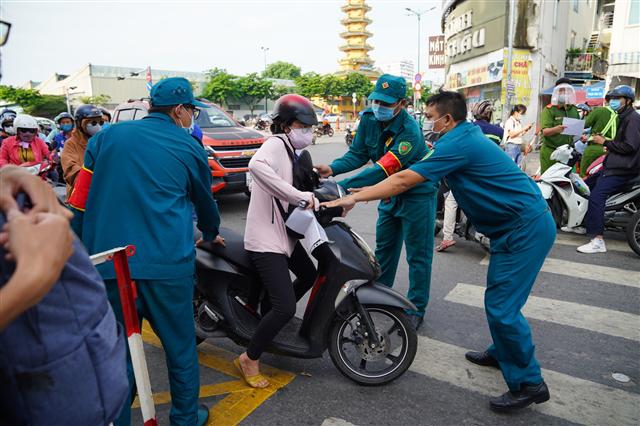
column 283, row 70
column 309, row 84
column 358, row 84
column 220, row 86
column 279, row 90
column 95, row 100
column 33, row 102
column 253, row 88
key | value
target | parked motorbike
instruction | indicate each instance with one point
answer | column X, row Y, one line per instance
column 568, row 197
column 349, row 135
column 262, row 124
column 361, row 323
column 323, row 129
column 463, row 228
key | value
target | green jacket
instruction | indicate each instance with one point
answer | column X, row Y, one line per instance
column 390, row 149
column 602, row 121
column 552, row 116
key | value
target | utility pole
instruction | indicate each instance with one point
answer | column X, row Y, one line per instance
column 418, row 14
column 66, row 92
column 509, row 86
column 265, row 50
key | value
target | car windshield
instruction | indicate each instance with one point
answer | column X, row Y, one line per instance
column 214, row 117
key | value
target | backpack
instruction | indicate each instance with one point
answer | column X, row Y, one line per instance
column 63, row 361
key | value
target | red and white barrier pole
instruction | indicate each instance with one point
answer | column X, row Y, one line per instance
column 127, row 289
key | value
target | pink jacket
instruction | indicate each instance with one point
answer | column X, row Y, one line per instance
column 10, row 152
column 272, row 174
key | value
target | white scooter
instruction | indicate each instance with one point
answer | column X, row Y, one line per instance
column 568, row 198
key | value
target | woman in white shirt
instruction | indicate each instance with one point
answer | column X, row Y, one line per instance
column 513, row 132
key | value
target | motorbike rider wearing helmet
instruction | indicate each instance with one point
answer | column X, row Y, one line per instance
column 88, row 122
column 561, row 106
column 482, row 112
column 602, row 120
column 106, row 118
column 389, row 138
column 7, row 129
column 25, row 146
column 57, row 139
column 620, row 166
column 271, row 250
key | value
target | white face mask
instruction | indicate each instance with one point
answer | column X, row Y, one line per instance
column 92, row 130
column 10, row 130
column 300, row 138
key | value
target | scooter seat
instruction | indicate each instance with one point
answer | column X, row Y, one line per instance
column 233, row 251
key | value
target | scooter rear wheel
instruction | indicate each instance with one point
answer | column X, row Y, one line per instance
column 353, row 356
column 633, row 233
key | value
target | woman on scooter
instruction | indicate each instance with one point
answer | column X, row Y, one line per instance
column 270, row 248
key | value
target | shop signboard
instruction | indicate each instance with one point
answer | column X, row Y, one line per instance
column 478, row 71
column 436, row 52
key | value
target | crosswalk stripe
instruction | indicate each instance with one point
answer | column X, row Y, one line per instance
column 605, row 274
column 593, row 318
column 578, row 240
column 574, row 399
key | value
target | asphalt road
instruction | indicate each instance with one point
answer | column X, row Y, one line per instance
column 584, row 314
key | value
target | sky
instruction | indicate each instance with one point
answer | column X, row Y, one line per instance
column 62, row 36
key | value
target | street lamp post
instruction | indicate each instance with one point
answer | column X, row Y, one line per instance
column 66, row 93
column 265, row 50
column 418, row 15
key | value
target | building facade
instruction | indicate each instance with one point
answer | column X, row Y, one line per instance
column 624, row 50
column 404, row 69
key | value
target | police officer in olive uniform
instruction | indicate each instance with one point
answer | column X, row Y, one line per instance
column 391, row 139
column 561, row 106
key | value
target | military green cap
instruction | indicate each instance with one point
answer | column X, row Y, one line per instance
column 389, row 89
column 174, row 91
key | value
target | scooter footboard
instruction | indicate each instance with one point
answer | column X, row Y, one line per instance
column 378, row 294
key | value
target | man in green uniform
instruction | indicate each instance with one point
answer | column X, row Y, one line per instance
column 602, row 121
column 389, row 138
column 503, row 203
column 561, row 106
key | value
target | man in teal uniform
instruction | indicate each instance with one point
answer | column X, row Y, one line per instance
column 504, row 204
column 144, row 177
column 390, row 138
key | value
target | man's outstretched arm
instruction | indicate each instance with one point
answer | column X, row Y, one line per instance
column 393, row 185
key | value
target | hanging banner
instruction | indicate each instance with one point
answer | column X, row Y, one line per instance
column 520, row 85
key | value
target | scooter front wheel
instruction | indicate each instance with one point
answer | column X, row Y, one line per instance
column 633, row 233
column 356, row 355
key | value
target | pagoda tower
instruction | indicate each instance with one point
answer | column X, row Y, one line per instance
column 355, row 35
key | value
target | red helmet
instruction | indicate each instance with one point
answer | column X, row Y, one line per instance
column 294, row 107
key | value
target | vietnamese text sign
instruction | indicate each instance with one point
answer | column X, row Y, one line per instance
column 436, row 52
column 520, row 66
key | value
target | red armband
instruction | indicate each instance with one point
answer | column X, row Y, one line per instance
column 389, row 163
column 80, row 193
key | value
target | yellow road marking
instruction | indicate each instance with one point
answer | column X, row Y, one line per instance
column 242, row 398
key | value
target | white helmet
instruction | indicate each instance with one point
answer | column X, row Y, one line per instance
column 563, row 94
column 23, row 121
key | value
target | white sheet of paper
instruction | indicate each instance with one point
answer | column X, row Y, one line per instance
column 304, row 222
column 575, row 127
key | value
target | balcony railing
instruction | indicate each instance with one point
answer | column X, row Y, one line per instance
column 588, row 63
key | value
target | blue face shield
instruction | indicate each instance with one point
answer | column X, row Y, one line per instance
column 382, row 113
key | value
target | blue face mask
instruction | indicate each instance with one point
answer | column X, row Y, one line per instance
column 66, row 127
column 382, row 113
column 615, row 104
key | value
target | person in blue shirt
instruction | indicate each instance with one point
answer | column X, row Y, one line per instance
column 142, row 194
column 65, row 123
column 392, row 140
column 504, row 204
column 482, row 112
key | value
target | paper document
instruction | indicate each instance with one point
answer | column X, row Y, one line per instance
column 574, row 127
column 304, row 222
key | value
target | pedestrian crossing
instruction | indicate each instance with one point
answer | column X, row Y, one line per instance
column 586, row 271
column 574, row 399
column 592, row 318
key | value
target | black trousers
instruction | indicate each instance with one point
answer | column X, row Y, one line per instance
column 273, row 269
